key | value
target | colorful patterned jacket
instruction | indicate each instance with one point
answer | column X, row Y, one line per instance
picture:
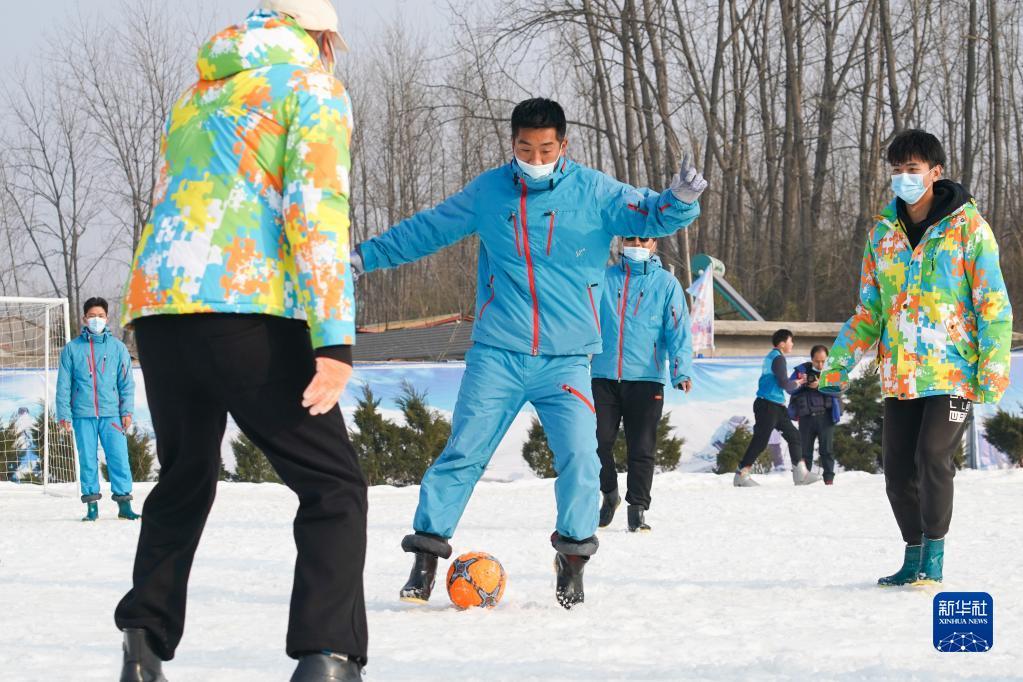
column 940, row 312
column 251, row 207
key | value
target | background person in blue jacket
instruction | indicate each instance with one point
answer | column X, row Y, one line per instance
column 544, row 224
column 96, row 394
column 816, row 413
column 770, row 414
column 644, row 322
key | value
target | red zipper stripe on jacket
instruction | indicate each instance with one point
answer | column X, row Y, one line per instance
column 593, row 307
column 550, row 234
column 580, row 396
column 492, row 294
column 621, row 316
column 529, row 270
column 638, row 209
column 92, row 366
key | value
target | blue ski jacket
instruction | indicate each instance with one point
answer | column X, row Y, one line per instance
column 94, row 379
column 543, row 248
column 644, row 323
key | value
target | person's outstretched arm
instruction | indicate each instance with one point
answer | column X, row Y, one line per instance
column 859, row 333
column 631, row 211
column 424, row 233
column 678, row 338
column 994, row 312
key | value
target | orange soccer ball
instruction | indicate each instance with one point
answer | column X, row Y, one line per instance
column 476, row 579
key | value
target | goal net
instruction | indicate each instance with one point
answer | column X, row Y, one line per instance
column 34, row 449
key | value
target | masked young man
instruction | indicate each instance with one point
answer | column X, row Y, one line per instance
column 932, row 297
column 544, row 224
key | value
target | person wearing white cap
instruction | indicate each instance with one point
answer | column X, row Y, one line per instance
column 242, row 301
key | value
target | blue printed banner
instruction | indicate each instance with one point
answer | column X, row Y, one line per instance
column 964, row 622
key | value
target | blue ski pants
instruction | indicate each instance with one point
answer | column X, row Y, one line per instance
column 496, row 384
column 91, row 431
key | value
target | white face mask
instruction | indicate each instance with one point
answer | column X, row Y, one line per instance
column 636, row 253
column 96, row 324
column 537, row 172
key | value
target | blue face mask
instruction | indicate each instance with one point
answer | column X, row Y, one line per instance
column 909, row 187
column 96, row 324
column 636, row 253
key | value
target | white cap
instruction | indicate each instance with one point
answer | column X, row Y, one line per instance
column 312, row 15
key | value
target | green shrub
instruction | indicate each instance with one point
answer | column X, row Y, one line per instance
column 540, row 459
column 858, row 441
column 1004, row 431
column 733, row 449
column 394, row 454
column 250, row 464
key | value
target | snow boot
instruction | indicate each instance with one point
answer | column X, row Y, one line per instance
column 608, row 507
column 141, row 664
column 327, row 667
column 427, row 549
column 124, row 510
column 743, row 480
column 569, row 567
column 803, row 476
column 932, row 559
column 569, row 563
column 92, row 512
column 420, row 581
column 637, row 524
column 908, row 572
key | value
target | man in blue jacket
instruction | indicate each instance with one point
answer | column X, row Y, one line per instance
column 544, row 224
column 644, row 322
column 96, row 395
column 816, row 413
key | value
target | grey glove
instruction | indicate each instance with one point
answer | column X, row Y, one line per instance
column 355, row 258
column 688, row 184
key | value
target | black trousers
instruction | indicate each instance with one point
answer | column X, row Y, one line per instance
column 769, row 417
column 198, row 369
column 639, row 404
column 821, row 428
column 918, row 442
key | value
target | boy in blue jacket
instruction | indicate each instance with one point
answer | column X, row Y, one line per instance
column 647, row 343
column 96, row 394
column 544, row 224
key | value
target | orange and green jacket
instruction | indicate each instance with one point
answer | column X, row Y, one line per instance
column 940, row 312
column 251, row 208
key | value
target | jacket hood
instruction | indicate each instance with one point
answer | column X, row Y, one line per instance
column 265, row 38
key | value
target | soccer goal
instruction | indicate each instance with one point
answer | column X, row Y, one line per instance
column 34, row 449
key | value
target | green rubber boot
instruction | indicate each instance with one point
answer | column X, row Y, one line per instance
column 908, row 573
column 124, row 511
column 932, row 559
column 93, row 512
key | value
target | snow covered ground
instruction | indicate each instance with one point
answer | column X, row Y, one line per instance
column 775, row 583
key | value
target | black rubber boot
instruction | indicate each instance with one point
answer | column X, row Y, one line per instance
column 608, row 507
column 637, row 524
column 326, row 668
column 569, row 589
column 420, row 581
column 141, row 664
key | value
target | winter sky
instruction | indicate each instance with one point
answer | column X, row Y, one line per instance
column 26, row 24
